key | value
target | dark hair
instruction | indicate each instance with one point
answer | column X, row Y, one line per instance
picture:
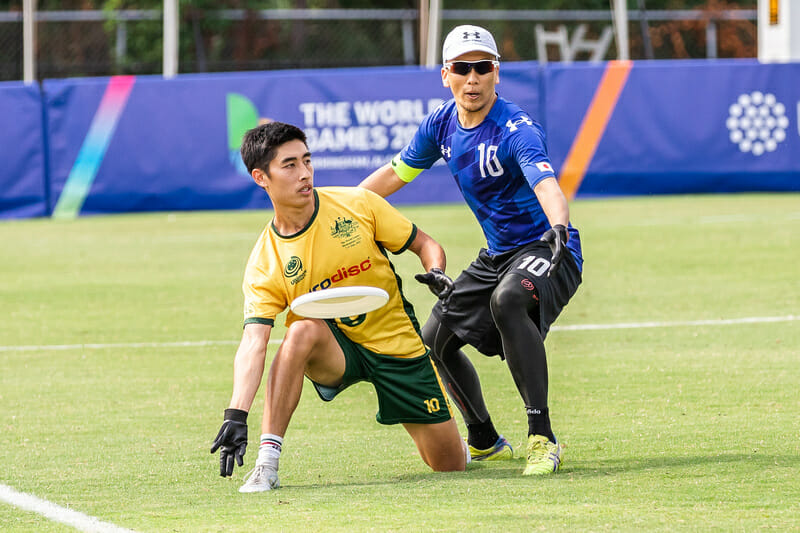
column 260, row 144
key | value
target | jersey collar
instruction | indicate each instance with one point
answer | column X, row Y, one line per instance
column 305, row 228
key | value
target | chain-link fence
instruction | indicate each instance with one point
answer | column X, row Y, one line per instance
column 11, row 48
column 99, row 43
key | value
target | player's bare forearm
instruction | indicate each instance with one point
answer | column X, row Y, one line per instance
column 248, row 366
column 383, row 181
column 553, row 201
column 430, row 252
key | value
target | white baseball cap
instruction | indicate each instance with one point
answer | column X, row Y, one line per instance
column 468, row 38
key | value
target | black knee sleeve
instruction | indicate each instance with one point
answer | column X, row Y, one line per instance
column 456, row 370
column 513, row 297
column 442, row 342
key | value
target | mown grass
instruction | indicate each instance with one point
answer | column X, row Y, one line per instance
column 675, row 426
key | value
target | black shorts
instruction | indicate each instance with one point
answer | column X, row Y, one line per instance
column 467, row 313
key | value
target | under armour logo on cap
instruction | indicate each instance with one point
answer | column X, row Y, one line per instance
column 467, row 38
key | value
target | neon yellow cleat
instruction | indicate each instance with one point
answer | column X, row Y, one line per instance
column 544, row 457
column 500, row 451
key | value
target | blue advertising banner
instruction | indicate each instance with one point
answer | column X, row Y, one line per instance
column 357, row 120
column 141, row 144
column 685, row 127
column 128, row 143
column 153, row 144
column 23, row 189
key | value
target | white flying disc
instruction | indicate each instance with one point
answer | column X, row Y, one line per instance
column 339, row 302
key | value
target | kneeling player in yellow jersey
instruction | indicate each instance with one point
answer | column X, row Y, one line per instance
column 321, row 238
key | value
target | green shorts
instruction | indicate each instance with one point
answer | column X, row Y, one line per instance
column 409, row 389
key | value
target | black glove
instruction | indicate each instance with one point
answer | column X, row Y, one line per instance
column 437, row 281
column 232, row 437
column 557, row 238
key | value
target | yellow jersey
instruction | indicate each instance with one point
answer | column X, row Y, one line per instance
column 344, row 244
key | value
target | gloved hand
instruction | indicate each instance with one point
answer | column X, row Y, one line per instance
column 556, row 237
column 437, row 281
column 232, row 438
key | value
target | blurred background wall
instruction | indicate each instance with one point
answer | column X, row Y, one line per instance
column 102, row 38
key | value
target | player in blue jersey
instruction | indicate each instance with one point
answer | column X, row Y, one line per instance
column 506, row 300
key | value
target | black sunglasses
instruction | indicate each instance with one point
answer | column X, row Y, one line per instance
column 462, row 68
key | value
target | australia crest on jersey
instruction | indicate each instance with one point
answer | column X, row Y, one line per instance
column 345, row 229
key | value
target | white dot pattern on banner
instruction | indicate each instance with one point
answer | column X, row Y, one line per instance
column 757, row 123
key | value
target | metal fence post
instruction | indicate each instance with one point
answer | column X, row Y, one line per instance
column 121, row 45
column 170, row 38
column 711, row 39
column 434, row 28
column 621, row 22
column 408, row 42
column 424, row 12
column 28, row 41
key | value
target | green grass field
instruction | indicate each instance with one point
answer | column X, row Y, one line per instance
column 118, row 333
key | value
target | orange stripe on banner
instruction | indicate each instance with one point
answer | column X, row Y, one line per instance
column 593, row 126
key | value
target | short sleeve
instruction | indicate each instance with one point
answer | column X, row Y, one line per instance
column 392, row 230
column 264, row 298
column 422, row 151
column 528, row 148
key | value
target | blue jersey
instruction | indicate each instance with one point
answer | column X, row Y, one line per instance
column 496, row 166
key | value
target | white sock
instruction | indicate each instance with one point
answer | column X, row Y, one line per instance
column 270, row 450
column 466, row 451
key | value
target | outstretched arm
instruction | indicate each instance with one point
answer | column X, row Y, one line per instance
column 248, row 369
column 553, row 201
column 248, row 366
column 383, row 181
column 555, row 207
